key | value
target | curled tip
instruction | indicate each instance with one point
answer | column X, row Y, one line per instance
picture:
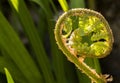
column 84, row 32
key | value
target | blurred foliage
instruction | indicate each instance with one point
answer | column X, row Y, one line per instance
column 8, row 76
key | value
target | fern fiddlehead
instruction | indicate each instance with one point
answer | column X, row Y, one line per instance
column 84, row 33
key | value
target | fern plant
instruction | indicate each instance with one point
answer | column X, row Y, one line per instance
column 82, row 33
column 34, row 64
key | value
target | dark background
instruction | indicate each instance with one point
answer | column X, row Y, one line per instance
column 111, row 11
